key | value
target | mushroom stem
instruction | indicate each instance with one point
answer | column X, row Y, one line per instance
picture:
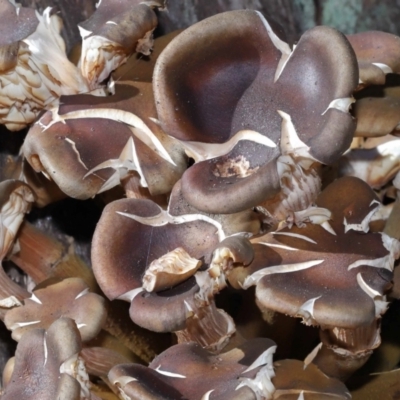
column 344, row 351
column 9, row 288
column 300, row 185
column 99, row 360
column 206, row 324
column 339, row 363
column 43, row 257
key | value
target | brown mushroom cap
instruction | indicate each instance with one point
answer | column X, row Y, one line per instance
column 17, row 23
column 335, row 280
column 293, row 378
column 377, row 55
column 123, row 248
column 377, row 108
column 142, row 383
column 159, row 281
column 245, row 222
column 163, row 311
column 123, row 22
column 187, row 371
column 34, row 69
column 68, row 298
column 206, row 92
column 78, row 143
column 378, row 116
column 101, row 135
column 39, row 357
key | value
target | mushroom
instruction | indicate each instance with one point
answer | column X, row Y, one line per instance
column 251, row 115
column 244, row 223
column 132, row 233
column 79, row 132
column 48, row 366
column 34, row 69
column 377, row 55
column 377, row 112
column 187, row 371
column 376, row 385
column 133, row 261
column 68, row 298
column 338, row 278
column 164, row 282
column 377, row 165
column 295, row 380
column 113, row 33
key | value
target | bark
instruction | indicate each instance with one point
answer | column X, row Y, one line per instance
column 295, row 16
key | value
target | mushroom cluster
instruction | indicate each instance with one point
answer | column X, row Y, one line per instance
column 242, row 184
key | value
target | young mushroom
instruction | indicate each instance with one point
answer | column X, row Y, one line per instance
column 186, row 371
